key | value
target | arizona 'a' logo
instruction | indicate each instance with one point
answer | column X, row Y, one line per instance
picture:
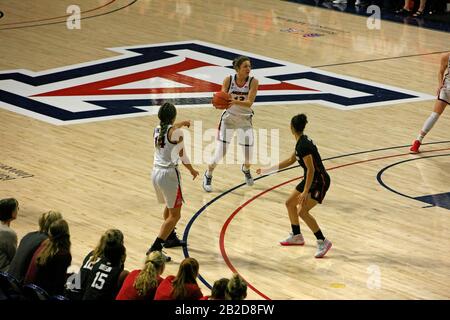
column 184, row 73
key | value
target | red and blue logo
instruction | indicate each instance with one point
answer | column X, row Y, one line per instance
column 185, row 73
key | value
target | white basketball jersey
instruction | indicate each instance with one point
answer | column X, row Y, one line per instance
column 166, row 154
column 239, row 93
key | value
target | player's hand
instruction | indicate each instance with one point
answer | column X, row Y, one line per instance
column 230, row 102
column 261, row 171
column 302, row 198
column 186, row 123
column 194, row 174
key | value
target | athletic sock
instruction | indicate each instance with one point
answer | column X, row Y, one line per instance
column 295, row 229
column 319, row 235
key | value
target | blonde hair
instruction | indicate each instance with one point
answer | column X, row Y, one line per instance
column 58, row 240
column 46, row 219
column 236, row 288
column 187, row 273
column 110, row 236
column 148, row 277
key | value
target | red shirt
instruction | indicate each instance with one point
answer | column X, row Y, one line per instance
column 164, row 291
column 52, row 276
column 129, row 292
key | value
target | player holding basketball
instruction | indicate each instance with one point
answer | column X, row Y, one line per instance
column 443, row 99
column 169, row 150
column 310, row 191
column 238, row 116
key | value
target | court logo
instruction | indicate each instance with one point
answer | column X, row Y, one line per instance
column 186, row 73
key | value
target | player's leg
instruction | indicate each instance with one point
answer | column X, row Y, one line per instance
column 295, row 238
column 323, row 244
column 246, row 141
column 224, row 136
column 438, row 109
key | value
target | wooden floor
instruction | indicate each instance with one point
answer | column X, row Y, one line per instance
column 385, row 245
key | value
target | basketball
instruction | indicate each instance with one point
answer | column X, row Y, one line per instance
column 220, row 100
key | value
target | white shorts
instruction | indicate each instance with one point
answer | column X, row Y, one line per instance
column 444, row 94
column 241, row 123
column 167, row 184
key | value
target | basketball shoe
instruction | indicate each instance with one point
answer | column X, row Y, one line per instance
column 207, row 183
column 415, row 147
column 293, row 240
column 174, row 241
column 248, row 176
column 322, row 248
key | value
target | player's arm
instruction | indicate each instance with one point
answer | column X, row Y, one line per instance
column 283, row 164
column 185, row 159
column 176, row 135
column 226, row 84
column 186, row 123
column 251, row 95
column 308, row 160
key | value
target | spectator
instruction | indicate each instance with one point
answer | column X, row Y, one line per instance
column 48, row 266
column 29, row 243
column 9, row 208
column 142, row 284
column 218, row 290
column 236, row 288
column 76, row 287
column 107, row 275
column 182, row 287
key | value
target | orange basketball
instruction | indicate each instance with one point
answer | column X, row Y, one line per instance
column 220, row 100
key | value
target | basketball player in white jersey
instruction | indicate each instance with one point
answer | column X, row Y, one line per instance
column 238, row 116
column 443, row 99
column 169, row 150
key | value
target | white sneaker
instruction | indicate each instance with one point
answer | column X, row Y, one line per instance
column 248, row 176
column 207, row 182
column 339, row 1
column 322, row 248
column 293, row 240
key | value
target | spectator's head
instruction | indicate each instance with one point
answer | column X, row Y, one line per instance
column 9, row 208
column 236, row 288
column 58, row 240
column 115, row 253
column 47, row 219
column 218, row 289
column 110, row 236
column 298, row 123
column 187, row 273
column 148, row 277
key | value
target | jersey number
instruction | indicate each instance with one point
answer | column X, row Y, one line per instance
column 163, row 143
column 99, row 280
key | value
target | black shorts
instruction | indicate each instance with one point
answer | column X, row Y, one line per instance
column 319, row 187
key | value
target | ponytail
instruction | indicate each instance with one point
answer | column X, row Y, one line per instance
column 148, row 277
column 166, row 114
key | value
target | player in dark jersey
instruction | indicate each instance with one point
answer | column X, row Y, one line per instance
column 76, row 284
column 310, row 191
column 103, row 282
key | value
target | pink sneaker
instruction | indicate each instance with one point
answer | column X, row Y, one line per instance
column 293, row 240
column 415, row 147
column 322, row 248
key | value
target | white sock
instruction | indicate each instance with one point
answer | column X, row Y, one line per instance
column 429, row 123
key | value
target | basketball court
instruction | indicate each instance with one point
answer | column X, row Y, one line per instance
column 78, row 104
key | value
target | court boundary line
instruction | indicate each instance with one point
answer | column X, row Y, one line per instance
column 210, row 202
